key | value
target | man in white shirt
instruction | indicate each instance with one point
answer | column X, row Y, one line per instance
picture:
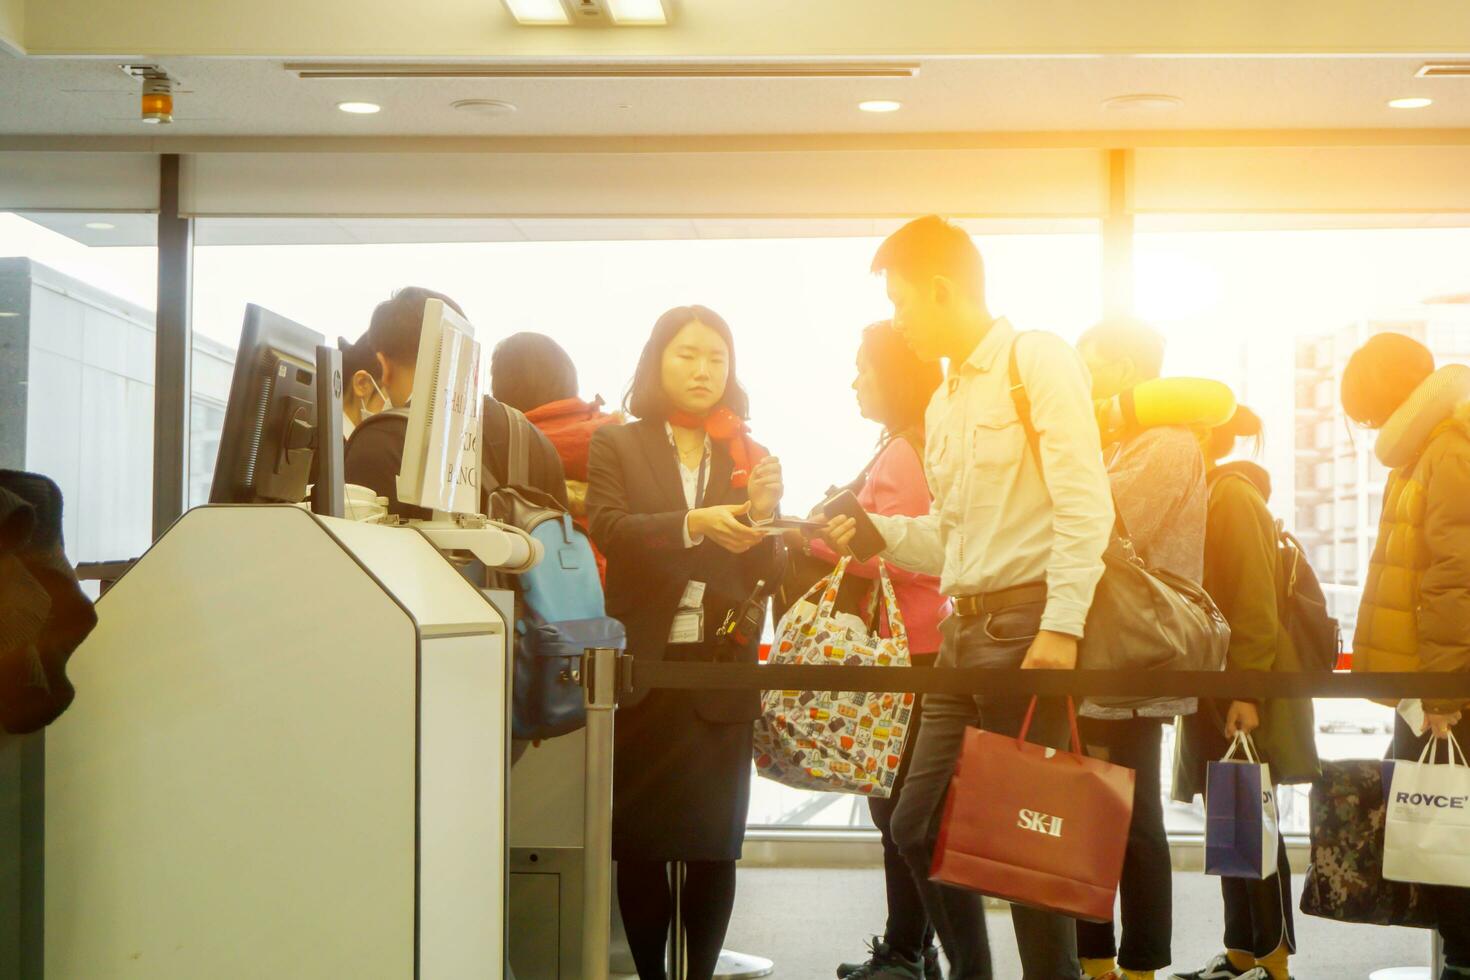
column 1021, row 553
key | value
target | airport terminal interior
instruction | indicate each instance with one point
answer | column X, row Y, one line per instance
column 303, row 741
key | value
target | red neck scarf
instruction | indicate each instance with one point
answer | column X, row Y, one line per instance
column 729, row 430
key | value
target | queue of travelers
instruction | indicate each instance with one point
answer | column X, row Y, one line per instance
column 994, row 529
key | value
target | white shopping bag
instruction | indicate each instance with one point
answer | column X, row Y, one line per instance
column 1427, row 832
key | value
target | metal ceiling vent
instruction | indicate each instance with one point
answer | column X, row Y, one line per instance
column 1444, row 69
column 645, row 69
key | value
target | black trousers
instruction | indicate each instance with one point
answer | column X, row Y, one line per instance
column 1452, row 905
column 1258, row 914
column 908, row 930
column 1047, row 941
column 1147, row 887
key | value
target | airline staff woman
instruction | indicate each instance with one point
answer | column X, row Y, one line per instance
column 675, row 500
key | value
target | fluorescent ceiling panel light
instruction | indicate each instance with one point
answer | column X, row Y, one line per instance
column 359, row 108
column 99, row 226
column 880, row 105
column 634, row 13
column 538, row 12
column 1413, row 103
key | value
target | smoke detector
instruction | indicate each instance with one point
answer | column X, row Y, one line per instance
column 156, row 106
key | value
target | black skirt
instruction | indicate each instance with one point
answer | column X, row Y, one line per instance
column 681, row 783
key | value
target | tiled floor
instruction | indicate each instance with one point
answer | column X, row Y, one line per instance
column 808, row 920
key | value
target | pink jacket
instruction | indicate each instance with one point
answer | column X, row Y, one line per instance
column 897, row 485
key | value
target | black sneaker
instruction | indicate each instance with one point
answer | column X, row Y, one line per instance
column 1220, row 968
column 932, row 970
column 884, row 964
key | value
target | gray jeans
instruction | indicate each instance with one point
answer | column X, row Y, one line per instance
column 1047, row 941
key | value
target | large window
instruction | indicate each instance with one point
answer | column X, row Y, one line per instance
column 796, row 306
column 76, row 373
column 1276, row 315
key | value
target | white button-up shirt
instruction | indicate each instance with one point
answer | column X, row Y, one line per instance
column 994, row 522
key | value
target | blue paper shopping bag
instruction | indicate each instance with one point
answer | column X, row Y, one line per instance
column 1241, row 829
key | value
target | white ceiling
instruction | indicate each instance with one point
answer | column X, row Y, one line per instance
column 243, row 97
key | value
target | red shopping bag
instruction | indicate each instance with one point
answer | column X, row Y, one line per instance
column 1034, row 825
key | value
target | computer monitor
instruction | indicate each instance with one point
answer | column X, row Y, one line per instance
column 441, row 450
column 265, row 448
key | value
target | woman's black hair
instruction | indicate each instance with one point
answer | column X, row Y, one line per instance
column 1244, row 424
column 646, row 398
column 528, row 370
column 905, row 383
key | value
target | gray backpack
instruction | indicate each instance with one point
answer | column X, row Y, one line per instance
column 1141, row 618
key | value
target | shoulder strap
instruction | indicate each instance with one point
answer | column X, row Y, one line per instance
column 1022, row 402
column 518, row 453
column 1033, row 438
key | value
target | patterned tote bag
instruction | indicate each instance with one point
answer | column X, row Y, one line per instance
column 831, row 741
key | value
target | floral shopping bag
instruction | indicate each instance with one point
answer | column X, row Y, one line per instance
column 831, row 741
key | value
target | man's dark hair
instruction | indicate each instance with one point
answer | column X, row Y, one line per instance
column 906, row 383
column 358, row 356
column 931, row 246
column 528, row 370
column 646, row 399
column 396, row 323
column 1124, row 337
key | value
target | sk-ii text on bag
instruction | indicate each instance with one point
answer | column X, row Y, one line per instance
column 833, row 741
column 1427, row 836
column 1036, row 826
column 1242, row 832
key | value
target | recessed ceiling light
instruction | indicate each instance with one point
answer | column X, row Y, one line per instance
column 880, row 105
column 8, row 313
column 1145, row 100
column 359, row 108
column 538, row 11
column 633, row 13
column 1414, row 103
column 99, row 226
column 484, row 107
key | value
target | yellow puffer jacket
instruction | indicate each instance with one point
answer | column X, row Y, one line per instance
column 1415, row 611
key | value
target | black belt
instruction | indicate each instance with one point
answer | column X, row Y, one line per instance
column 988, row 603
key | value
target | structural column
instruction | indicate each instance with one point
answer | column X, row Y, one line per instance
column 1118, row 236
column 174, row 348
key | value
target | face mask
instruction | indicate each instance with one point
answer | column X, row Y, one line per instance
column 362, row 402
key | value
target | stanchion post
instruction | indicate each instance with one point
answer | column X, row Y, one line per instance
column 599, row 682
column 678, row 942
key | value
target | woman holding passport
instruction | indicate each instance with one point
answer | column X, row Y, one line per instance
column 677, row 501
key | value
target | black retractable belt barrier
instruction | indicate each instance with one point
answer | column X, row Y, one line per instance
column 1227, row 685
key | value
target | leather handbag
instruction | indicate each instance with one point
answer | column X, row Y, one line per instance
column 1036, row 826
column 1141, row 618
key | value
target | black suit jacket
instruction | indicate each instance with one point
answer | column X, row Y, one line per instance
column 636, row 511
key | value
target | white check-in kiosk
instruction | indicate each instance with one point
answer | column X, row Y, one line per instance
column 286, row 759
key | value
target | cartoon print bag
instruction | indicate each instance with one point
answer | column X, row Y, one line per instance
column 833, row 741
